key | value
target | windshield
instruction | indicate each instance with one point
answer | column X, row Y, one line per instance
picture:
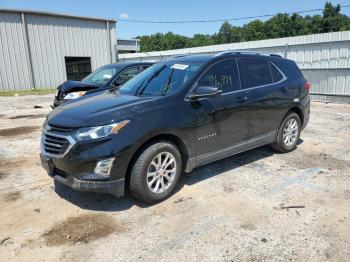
column 101, row 76
column 161, row 79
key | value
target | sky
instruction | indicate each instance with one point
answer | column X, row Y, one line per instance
column 165, row 10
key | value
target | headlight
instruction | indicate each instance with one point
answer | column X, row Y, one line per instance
column 90, row 133
column 74, row 95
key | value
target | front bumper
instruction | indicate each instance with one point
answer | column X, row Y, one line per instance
column 115, row 188
column 75, row 167
column 112, row 187
column 57, row 102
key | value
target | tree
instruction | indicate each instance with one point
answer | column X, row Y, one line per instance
column 224, row 35
column 280, row 25
column 253, row 31
column 331, row 18
column 202, row 40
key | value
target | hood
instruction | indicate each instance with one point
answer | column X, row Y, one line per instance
column 72, row 86
column 97, row 110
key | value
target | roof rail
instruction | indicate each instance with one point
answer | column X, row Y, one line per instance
column 229, row 52
column 178, row 56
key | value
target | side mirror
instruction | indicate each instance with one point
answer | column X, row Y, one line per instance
column 116, row 84
column 204, row 92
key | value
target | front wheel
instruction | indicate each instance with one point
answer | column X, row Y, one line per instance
column 288, row 134
column 156, row 172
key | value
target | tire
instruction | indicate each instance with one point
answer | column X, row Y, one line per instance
column 146, row 169
column 282, row 146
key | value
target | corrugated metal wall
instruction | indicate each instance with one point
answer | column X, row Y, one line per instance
column 323, row 58
column 13, row 66
column 50, row 39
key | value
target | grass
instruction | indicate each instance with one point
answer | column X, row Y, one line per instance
column 29, row 92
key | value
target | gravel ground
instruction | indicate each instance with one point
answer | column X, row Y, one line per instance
column 231, row 210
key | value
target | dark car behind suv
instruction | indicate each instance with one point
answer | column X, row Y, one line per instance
column 106, row 77
column 178, row 114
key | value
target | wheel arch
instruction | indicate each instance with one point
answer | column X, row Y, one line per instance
column 298, row 111
column 176, row 140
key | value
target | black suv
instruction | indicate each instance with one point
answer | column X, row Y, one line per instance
column 176, row 115
column 106, row 77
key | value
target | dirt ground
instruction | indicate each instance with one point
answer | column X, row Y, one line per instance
column 231, row 210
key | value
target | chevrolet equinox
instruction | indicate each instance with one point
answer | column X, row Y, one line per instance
column 176, row 115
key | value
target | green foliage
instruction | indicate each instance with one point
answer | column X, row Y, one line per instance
column 281, row 25
column 37, row 91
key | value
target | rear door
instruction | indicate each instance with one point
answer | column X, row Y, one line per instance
column 222, row 121
column 268, row 94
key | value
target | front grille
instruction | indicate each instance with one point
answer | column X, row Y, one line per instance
column 55, row 145
column 62, row 129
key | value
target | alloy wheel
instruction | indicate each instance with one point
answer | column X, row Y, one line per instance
column 161, row 172
column 290, row 132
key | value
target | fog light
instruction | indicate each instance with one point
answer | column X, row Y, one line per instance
column 103, row 167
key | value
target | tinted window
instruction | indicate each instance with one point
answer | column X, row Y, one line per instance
column 127, row 74
column 289, row 68
column 276, row 74
column 255, row 72
column 223, row 75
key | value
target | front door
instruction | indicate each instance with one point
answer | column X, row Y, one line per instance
column 221, row 121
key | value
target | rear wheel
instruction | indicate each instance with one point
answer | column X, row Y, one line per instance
column 288, row 134
column 156, row 172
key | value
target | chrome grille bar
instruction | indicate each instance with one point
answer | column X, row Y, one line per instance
column 55, row 145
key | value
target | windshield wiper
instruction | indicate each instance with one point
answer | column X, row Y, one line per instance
column 166, row 87
column 155, row 74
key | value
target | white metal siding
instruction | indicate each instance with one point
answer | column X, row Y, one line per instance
column 51, row 39
column 323, row 58
column 14, row 74
column 113, row 39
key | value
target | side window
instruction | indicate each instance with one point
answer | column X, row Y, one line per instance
column 223, row 75
column 276, row 74
column 126, row 75
column 255, row 72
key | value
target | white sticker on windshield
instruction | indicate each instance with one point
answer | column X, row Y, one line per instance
column 107, row 76
column 179, row 66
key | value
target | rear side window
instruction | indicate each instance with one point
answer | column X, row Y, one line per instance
column 222, row 75
column 255, row 72
column 276, row 74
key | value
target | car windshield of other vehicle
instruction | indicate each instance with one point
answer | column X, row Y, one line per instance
column 101, row 76
column 161, row 79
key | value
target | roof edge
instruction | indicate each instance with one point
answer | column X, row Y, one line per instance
column 38, row 12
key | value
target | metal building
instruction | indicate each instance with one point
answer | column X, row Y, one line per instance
column 128, row 46
column 323, row 58
column 42, row 50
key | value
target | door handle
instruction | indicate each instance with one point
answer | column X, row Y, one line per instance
column 241, row 99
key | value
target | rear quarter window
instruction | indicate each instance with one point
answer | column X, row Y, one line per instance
column 276, row 74
column 289, row 68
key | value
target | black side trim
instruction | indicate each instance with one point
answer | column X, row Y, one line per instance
column 232, row 150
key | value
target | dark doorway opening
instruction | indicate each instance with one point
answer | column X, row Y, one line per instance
column 77, row 67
